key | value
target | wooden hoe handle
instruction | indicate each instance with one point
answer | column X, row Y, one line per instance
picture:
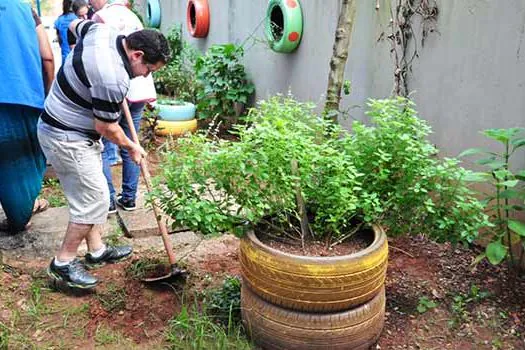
column 147, row 178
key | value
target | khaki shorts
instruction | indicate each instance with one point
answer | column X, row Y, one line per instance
column 77, row 161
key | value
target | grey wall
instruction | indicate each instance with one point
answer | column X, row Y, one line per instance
column 469, row 76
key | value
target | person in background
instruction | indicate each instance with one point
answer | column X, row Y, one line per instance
column 62, row 25
column 80, row 8
column 22, row 91
column 142, row 91
column 83, row 105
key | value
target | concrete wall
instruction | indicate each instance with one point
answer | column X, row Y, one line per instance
column 469, row 76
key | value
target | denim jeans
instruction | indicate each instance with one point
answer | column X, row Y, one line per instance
column 130, row 170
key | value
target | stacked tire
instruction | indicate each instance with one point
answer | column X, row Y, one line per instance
column 299, row 302
column 176, row 118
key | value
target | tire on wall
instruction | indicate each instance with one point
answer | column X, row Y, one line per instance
column 198, row 18
column 273, row 327
column 314, row 284
column 176, row 112
column 153, row 13
column 165, row 128
column 284, row 25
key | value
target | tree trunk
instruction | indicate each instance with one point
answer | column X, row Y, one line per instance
column 343, row 34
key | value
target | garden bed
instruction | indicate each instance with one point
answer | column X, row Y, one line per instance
column 474, row 309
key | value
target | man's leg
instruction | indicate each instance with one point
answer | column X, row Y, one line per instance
column 75, row 233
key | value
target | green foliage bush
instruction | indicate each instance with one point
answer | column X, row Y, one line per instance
column 224, row 81
column 292, row 167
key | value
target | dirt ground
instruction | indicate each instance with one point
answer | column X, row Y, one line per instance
column 465, row 308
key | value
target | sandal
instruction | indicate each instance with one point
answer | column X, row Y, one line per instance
column 40, row 206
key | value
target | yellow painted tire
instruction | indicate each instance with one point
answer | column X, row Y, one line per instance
column 165, row 128
column 314, row 284
column 273, row 327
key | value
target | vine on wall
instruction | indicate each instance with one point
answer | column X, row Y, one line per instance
column 404, row 44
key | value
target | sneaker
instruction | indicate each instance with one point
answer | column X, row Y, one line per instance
column 126, row 204
column 112, row 207
column 110, row 256
column 73, row 274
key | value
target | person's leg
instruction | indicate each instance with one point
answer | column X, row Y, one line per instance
column 75, row 234
column 109, row 148
column 130, row 170
column 22, row 164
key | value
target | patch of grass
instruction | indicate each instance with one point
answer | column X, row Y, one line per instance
column 105, row 336
column 4, row 336
column 113, row 299
column 197, row 331
column 36, row 307
column 52, row 191
column 79, row 310
column 143, row 267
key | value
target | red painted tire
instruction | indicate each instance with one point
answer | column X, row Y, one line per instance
column 198, row 18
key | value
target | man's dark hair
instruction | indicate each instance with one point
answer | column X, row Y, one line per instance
column 152, row 42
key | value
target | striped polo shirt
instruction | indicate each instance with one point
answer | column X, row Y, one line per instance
column 92, row 82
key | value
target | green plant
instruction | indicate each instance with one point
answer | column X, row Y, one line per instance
column 507, row 197
column 224, row 304
column 305, row 177
column 193, row 330
column 52, row 191
column 177, row 78
column 462, row 301
column 425, row 304
column 224, row 81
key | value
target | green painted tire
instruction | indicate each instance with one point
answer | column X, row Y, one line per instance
column 284, row 25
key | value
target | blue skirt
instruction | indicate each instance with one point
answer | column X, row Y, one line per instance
column 22, row 163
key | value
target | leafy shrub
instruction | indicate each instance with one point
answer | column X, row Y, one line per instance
column 304, row 176
column 224, row 82
column 507, row 196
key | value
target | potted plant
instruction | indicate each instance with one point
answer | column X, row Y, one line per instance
column 225, row 88
column 295, row 181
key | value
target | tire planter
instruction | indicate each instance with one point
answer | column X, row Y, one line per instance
column 176, row 112
column 284, row 25
column 198, row 18
column 153, row 15
column 273, row 327
column 165, row 128
column 314, row 284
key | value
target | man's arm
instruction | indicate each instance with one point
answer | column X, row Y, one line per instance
column 114, row 133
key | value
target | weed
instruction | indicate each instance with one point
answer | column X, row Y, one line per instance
column 425, row 304
column 114, row 237
column 224, row 304
column 462, row 301
column 36, row 307
column 193, row 330
column 114, row 299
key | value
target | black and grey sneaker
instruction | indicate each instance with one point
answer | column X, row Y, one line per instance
column 112, row 207
column 73, row 274
column 127, row 204
column 110, row 256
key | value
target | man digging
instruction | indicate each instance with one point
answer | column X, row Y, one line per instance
column 83, row 105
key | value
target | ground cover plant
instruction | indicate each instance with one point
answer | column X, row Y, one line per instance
column 307, row 178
